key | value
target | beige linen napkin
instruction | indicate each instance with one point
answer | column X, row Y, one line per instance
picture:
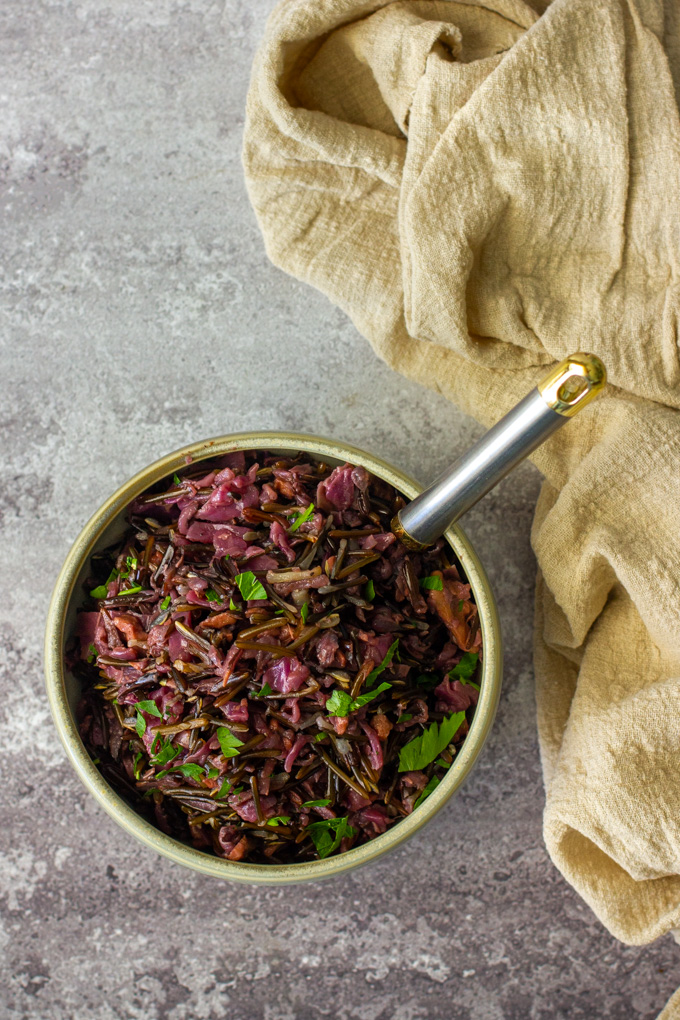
column 486, row 188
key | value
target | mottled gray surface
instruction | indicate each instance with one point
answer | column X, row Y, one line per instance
column 138, row 313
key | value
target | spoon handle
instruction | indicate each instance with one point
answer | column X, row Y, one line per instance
column 566, row 389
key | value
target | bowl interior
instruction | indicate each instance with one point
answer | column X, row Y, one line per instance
column 108, row 525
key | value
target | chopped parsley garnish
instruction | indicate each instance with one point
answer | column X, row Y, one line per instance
column 301, row 518
column 324, row 802
column 304, row 611
column 226, row 788
column 369, row 594
column 136, row 767
column 432, row 583
column 176, row 479
column 190, row 770
column 340, row 703
column 166, row 752
column 130, row 565
column 212, row 773
column 131, row 591
column 212, row 596
column 228, row 742
column 263, row 692
column 102, row 590
column 465, row 668
column 329, row 833
column 406, row 717
column 432, row 785
column 165, row 604
column 279, row 819
column 249, row 586
column 233, row 606
column 151, row 708
column 420, row 751
column 443, row 764
column 319, row 737
column 389, row 655
column 91, row 653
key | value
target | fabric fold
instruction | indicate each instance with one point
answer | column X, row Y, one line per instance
column 486, row 188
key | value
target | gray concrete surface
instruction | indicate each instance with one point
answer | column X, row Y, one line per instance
column 139, row 312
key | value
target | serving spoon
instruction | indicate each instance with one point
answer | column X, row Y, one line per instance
column 565, row 390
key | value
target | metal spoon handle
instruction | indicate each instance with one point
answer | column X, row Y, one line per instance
column 567, row 388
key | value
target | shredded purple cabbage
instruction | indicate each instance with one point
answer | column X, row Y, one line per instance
column 268, row 673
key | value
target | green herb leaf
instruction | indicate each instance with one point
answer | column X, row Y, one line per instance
column 228, row 742
column 91, row 653
column 140, row 725
column 420, row 751
column 369, row 593
column 319, row 737
column 432, row 785
column 249, row 586
column 324, row 802
column 339, row 703
column 233, row 606
column 405, row 717
column 176, row 479
column 466, row 667
column 191, row 770
column 283, row 819
column 226, row 788
column 375, row 673
column 212, row 773
column 432, row 583
column 130, row 565
column 165, row 604
column 329, row 833
column 212, row 596
column 150, row 707
column 102, row 590
column 136, row 765
column 301, row 518
column 166, row 752
column 428, row 680
column 443, row 764
column 263, row 692
column 304, row 611
column 364, row 699
column 131, row 591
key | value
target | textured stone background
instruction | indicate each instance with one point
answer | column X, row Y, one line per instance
column 138, row 313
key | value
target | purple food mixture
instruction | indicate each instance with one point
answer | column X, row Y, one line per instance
column 268, row 673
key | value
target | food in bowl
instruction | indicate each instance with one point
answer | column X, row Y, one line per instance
column 267, row 672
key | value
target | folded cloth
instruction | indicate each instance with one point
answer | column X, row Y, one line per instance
column 486, row 187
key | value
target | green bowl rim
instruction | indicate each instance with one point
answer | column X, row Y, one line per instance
column 143, row 830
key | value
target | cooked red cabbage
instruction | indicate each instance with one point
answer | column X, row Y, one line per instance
column 267, row 672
